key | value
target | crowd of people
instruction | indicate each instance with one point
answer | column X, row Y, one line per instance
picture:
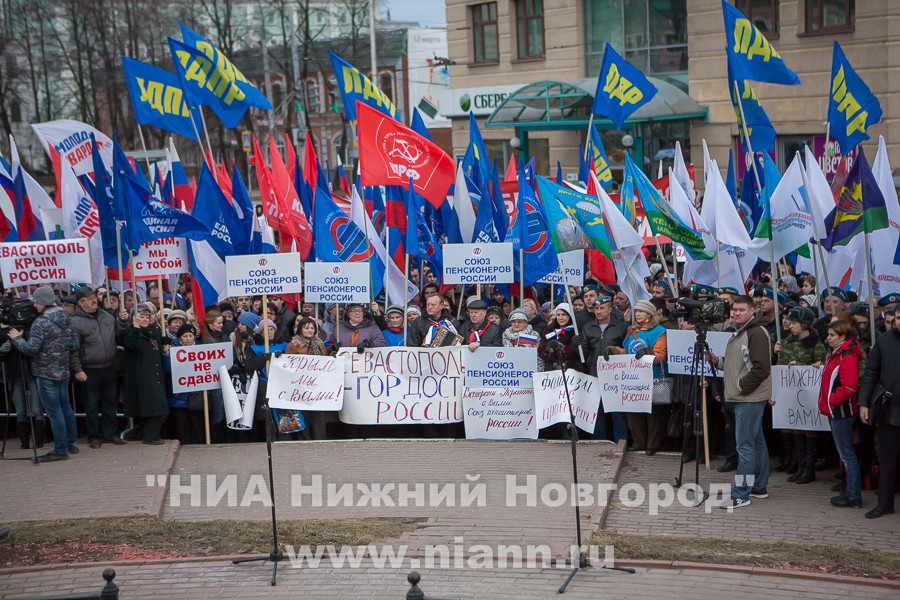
column 114, row 350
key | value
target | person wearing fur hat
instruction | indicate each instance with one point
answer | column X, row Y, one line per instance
column 477, row 330
column 144, row 390
column 356, row 329
column 646, row 337
column 561, row 328
column 518, row 325
column 802, row 347
column 174, row 320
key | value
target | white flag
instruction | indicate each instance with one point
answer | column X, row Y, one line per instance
column 887, row 274
column 627, row 249
column 81, row 219
column 791, row 223
column 462, row 204
column 682, row 176
column 72, row 140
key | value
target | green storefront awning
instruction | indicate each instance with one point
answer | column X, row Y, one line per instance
column 567, row 105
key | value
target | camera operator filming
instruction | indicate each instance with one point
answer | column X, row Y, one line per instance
column 53, row 343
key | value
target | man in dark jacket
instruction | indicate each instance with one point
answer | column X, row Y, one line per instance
column 477, row 330
column 54, row 344
column 883, row 376
column 601, row 333
column 283, row 318
column 423, row 329
column 94, row 366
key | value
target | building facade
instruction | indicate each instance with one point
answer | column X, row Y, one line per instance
column 528, row 70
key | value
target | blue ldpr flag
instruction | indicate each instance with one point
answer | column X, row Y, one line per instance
column 355, row 86
column 150, row 220
column 336, row 237
column 621, row 89
column 418, row 125
column 206, row 83
column 158, row 100
column 104, row 199
column 752, row 56
column 852, row 107
column 241, row 201
column 762, row 133
column 485, row 230
column 750, row 203
column 597, row 157
column 730, row 185
column 253, row 96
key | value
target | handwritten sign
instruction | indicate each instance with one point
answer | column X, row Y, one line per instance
column 626, row 383
column 499, row 414
column 552, row 406
column 162, row 257
column 196, row 368
column 501, row 367
column 403, row 386
column 795, row 391
column 303, row 382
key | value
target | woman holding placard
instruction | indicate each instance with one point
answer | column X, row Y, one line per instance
column 144, row 391
column 306, row 341
column 837, row 401
column 561, row 329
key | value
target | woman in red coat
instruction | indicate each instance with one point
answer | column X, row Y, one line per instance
column 837, row 401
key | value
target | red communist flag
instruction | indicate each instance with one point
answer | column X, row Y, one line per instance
column 392, row 154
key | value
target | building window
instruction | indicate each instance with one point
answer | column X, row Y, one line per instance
column 763, row 14
column 312, row 95
column 530, row 28
column 484, row 25
column 827, row 16
column 650, row 34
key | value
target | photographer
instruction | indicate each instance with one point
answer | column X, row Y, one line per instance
column 15, row 387
column 94, row 366
column 748, row 387
column 54, row 344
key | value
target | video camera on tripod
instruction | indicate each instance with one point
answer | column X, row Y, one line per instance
column 15, row 312
column 703, row 312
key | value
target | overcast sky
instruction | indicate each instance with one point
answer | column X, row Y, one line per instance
column 430, row 12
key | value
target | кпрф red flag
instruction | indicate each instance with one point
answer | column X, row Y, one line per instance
column 392, row 154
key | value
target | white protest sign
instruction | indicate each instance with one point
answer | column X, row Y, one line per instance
column 403, row 386
column 626, row 384
column 499, row 414
column 795, row 391
column 259, row 274
column 478, row 263
column 336, row 282
column 680, row 254
column 501, row 367
column 680, row 350
column 196, row 368
column 55, row 261
column 303, row 382
column 550, row 401
column 573, row 263
column 163, row 257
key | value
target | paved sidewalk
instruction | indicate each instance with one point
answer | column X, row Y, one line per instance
column 220, row 580
column 109, row 482
column 792, row 513
column 436, row 466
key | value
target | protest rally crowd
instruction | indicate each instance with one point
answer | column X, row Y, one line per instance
column 112, row 336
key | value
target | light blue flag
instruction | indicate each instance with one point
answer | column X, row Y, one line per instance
column 762, row 133
column 753, row 57
column 621, row 88
column 852, row 107
column 207, row 84
column 158, row 100
column 255, row 98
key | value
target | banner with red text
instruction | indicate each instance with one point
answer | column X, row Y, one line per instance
column 499, row 414
column 196, row 368
column 626, row 383
column 162, row 257
column 54, row 261
column 304, row 382
column 403, row 386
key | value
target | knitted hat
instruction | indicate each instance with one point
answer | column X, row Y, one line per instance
column 186, row 328
column 394, row 309
column 259, row 326
column 518, row 315
column 249, row 320
column 44, row 296
column 646, row 306
column 565, row 306
column 414, row 310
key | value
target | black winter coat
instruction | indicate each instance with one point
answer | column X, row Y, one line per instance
column 881, row 368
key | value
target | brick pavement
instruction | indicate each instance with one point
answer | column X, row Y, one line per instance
column 220, row 580
column 109, row 482
column 431, row 464
column 792, row 513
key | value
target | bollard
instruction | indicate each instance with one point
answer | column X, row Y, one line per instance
column 110, row 590
column 414, row 592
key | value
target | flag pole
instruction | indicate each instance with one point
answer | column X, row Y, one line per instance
column 146, row 156
column 737, row 92
column 162, row 305
column 572, row 310
column 199, row 143
column 119, row 258
column 521, row 274
column 406, row 294
column 871, row 293
column 206, row 131
column 718, row 268
column 389, row 259
column 588, row 140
